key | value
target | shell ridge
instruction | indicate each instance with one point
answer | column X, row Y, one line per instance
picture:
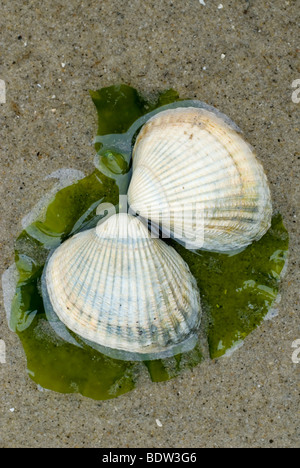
column 79, row 253
column 105, row 258
column 126, row 292
column 164, row 299
column 138, row 297
column 81, row 306
column 174, row 318
column 86, row 272
column 150, row 308
column 134, row 292
column 115, row 291
column 90, row 289
column 98, row 300
column 66, row 283
column 156, row 186
column 180, row 318
column 107, row 291
column 139, row 151
column 196, row 156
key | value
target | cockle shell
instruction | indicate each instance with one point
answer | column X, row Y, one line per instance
column 118, row 287
column 196, row 177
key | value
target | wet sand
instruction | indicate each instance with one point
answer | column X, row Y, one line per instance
column 242, row 59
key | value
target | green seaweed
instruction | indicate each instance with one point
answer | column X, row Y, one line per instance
column 121, row 108
column 118, row 107
column 54, row 364
column 72, row 208
column 237, row 292
column 165, row 369
column 121, row 112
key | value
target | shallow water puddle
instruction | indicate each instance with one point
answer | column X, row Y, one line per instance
column 237, row 292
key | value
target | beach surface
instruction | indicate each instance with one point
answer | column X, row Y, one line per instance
column 241, row 57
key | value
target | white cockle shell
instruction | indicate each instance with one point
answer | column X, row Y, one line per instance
column 197, row 178
column 125, row 291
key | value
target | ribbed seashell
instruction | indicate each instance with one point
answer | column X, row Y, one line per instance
column 125, row 291
column 196, row 177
